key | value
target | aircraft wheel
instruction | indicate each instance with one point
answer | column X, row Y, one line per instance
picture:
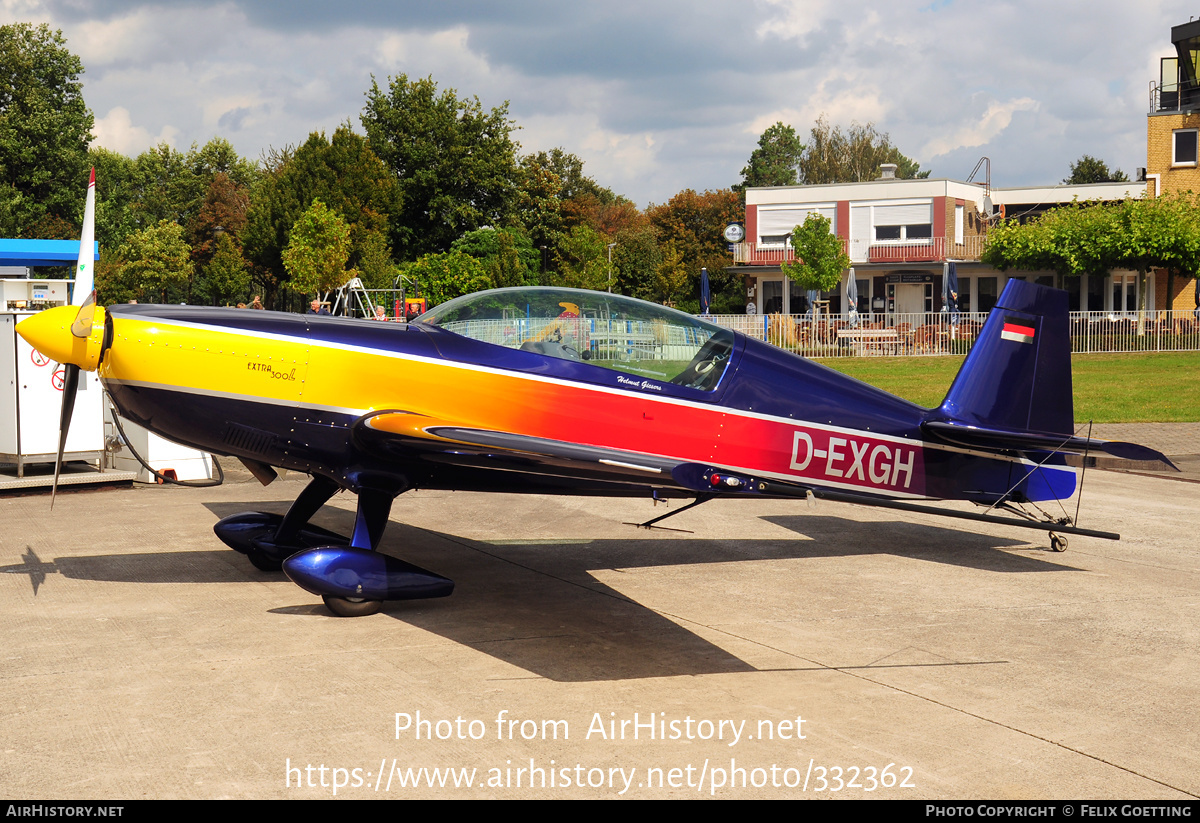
column 1057, row 543
column 263, row 563
column 351, row 606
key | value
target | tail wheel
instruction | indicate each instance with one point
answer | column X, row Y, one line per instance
column 1058, row 543
column 351, row 606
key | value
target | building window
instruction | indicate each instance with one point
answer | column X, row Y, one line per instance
column 775, row 223
column 920, row 231
column 986, row 298
column 1184, row 153
column 903, row 222
column 772, row 296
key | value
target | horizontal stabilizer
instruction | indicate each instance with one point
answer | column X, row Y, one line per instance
column 982, row 437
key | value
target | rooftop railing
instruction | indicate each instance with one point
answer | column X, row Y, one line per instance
column 1183, row 95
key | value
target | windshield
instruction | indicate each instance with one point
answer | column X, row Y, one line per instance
column 607, row 330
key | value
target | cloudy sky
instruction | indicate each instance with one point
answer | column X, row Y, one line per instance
column 656, row 95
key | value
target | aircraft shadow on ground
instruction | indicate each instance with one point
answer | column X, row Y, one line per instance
column 539, row 605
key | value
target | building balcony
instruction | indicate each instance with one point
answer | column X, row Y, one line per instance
column 937, row 249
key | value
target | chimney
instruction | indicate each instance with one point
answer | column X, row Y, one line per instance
column 887, row 171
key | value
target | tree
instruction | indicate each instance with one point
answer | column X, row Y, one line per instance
column 223, row 212
column 45, row 128
column 226, row 276
column 776, row 161
column 581, row 260
column 1070, row 241
column 507, row 255
column 114, row 195
column 218, row 156
column 539, row 203
column 820, row 255
column 317, row 250
column 636, row 261
column 345, row 175
column 852, row 156
column 1095, row 238
column 1088, row 169
column 455, row 164
column 569, row 170
column 695, row 223
column 445, row 276
column 154, row 260
column 672, row 276
column 556, row 196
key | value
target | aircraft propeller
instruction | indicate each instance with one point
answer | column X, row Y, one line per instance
column 81, row 328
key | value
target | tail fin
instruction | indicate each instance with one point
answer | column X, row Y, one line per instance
column 1013, row 391
column 1017, row 377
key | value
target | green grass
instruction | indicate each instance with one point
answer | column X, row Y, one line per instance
column 1159, row 387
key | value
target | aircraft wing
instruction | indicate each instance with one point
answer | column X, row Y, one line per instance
column 407, row 436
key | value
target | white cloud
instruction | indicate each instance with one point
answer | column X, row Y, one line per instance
column 116, row 132
column 995, row 119
column 788, row 19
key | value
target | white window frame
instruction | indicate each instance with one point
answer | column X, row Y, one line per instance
column 1175, row 161
column 805, row 208
column 903, row 239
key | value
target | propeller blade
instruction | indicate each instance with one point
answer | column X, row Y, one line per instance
column 70, row 386
column 82, row 327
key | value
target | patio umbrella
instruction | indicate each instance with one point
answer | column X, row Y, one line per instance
column 705, row 292
column 813, row 296
column 852, row 299
column 950, row 292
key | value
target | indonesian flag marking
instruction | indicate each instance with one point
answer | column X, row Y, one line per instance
column 1017, row 332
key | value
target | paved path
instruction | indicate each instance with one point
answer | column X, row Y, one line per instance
column 1179, row 441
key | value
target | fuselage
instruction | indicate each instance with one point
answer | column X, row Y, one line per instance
column 287, row 390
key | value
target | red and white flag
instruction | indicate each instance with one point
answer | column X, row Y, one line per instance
column 1017, row 331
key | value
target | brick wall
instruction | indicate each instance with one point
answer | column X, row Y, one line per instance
column 1159, row 146
column 1183, row 292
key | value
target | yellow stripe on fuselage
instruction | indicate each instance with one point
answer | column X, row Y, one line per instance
column 207, row 359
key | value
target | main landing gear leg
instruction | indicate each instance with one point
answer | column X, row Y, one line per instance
column 268, row 539
column 293, row 533
column 373, row 509
column 355, row 579
column 315, row 495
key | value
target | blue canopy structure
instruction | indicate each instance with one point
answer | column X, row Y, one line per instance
column 41, row 252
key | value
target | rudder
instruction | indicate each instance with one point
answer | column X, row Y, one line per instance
column 1017, row 376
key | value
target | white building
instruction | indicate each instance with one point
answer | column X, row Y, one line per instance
column 902, row 235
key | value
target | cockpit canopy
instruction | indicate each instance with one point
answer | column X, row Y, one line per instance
column 607, row 330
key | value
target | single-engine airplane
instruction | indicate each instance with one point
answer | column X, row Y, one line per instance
column 550, row 390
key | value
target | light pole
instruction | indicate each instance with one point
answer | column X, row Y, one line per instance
column 610, row 248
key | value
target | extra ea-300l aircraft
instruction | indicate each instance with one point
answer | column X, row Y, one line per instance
column 549, row 390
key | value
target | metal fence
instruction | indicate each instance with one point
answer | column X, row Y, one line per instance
column 936, row 333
